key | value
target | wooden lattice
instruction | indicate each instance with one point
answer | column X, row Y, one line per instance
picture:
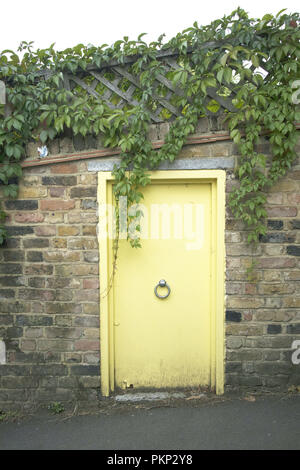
column 120, row 88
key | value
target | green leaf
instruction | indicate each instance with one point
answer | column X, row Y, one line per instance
column 44, row 136
column 255, row 61
column 213, row 106
column 227, row 74
column 235, row 135
column 268, row 17
column 141, row 35
column 220, row 75
column 223, row 59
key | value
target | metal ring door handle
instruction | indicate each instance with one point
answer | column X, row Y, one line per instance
column 162, row 283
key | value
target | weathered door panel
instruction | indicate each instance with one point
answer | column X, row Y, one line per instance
column 162, row 343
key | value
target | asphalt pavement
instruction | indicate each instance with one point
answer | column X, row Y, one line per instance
column 262, row 423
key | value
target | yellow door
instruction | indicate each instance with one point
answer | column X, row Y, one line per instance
column 167, row 342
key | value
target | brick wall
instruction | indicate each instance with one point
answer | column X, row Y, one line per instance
column 49, row 289
column 263, row 304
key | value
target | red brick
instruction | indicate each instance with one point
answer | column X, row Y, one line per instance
column 59, row 205
column 91, row 283
column 31, row 217
column 65, row 168
column 86, row 345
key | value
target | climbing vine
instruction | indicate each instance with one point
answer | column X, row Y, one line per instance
column 253, row 61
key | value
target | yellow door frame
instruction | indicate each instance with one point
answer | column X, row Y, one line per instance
column 104, row 196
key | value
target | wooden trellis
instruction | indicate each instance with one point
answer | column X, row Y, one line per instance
column 163, row 100
column 119, row 87
column 106, row 84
